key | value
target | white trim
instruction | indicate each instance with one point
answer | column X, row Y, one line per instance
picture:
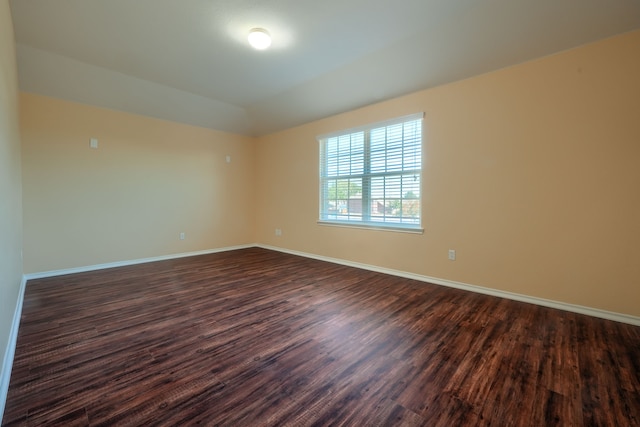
column 52, row 273
column 375, row 125
column 7, row 361
column 589, row 311
column 371, row 226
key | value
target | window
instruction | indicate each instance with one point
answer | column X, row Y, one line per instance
column 371, row 176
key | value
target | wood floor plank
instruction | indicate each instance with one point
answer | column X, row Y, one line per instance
column 261, row 338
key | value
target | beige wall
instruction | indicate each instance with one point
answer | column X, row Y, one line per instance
column 147, row 181
column 10, row 183
column 532, row 174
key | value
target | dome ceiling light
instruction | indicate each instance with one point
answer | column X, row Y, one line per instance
column 259, row 38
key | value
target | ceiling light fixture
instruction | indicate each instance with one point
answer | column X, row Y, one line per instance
column 259, row 38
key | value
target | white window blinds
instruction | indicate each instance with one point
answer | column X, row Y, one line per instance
column 371, row 176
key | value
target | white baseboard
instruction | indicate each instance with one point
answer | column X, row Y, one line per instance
column 595, row 312
column 94, row 267
column 7, row 361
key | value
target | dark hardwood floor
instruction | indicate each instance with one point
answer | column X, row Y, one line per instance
column 260, row 338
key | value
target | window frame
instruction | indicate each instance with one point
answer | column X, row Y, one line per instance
column 367, row 175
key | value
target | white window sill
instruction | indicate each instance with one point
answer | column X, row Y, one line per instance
column 370, row 226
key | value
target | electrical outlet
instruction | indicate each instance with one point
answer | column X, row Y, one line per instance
column 278, row 232
column 452, row 254
column 182, row 236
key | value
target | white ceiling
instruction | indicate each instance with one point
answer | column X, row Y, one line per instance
column 189, row 61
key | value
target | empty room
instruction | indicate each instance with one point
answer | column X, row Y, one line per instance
column 335, row 213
